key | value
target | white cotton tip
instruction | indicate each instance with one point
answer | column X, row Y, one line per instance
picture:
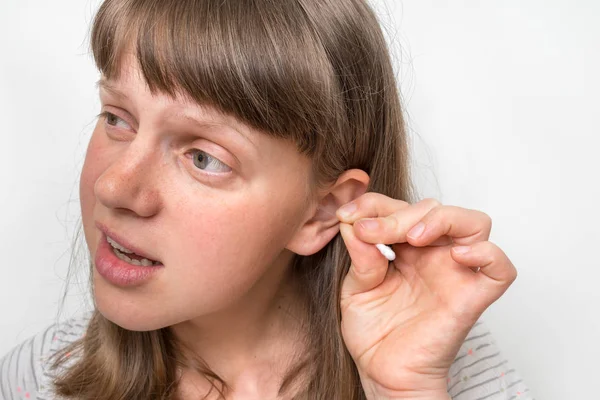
column 386, row 251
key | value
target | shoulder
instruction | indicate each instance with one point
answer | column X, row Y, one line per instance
column 480, row 371
column 23, row 370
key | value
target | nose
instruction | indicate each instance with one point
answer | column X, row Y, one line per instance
column 130, row 182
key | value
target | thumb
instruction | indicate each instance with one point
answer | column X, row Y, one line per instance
column 368, row 266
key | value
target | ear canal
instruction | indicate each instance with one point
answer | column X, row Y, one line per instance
column 325, row 210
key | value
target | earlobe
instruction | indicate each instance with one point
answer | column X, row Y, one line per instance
column 322, row 225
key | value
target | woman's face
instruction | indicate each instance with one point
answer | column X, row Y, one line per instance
column 214, row 201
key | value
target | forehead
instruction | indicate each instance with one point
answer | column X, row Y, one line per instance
column 130, row 80
column 130, row 83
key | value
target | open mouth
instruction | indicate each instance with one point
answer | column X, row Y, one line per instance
column 129, row 256
column 134, row 259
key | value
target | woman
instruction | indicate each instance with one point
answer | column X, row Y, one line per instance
column 247, row 159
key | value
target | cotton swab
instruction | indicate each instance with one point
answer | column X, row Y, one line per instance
column 386, row 251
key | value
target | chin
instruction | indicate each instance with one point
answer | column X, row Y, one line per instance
column 129, row 314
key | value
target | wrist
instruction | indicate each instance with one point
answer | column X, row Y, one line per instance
column 422, row 391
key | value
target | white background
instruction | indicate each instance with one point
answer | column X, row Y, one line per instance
column 502, row 104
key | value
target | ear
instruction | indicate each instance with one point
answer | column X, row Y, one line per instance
column 322, row 224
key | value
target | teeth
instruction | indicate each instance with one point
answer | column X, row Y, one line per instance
column 144, row 262
column 118, row 246
column 120, row 252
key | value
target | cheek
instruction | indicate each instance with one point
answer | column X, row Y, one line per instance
column 95, row 163
column 222, row 239
column 226, row 249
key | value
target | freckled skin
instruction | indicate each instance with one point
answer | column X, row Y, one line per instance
column 220, row 243
column 226, row 242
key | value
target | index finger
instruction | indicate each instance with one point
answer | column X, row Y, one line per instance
column 369, row 205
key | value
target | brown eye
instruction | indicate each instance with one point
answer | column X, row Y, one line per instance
column 113, row 120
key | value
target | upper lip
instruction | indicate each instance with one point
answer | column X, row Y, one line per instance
column 123, row 242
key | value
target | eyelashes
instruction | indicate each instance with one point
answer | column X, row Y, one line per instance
column 212, row 161
column 110, row 116
column 201, row 159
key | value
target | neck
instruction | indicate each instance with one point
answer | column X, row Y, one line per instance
column 255, row 339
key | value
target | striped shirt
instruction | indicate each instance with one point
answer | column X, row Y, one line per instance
column 478, row 372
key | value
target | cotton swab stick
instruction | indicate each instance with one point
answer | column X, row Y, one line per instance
column 386, row 251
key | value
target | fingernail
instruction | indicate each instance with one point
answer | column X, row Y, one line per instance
column 347, row 210
column 416, row 231
column 461, row 249
column 369, row 224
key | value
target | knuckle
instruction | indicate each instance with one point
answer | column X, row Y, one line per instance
column 368, row 200
column 486, row 218
column 515, row 273
column 511, row 273
column 488, row 251
column 498, row 255
column 391, row 222
column 430, row 205
column 492, row 249
column 436, row 213
column 431, row 202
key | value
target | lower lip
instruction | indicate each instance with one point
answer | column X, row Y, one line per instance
column 119, row 272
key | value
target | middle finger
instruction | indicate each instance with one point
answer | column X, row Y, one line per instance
column 457, row 224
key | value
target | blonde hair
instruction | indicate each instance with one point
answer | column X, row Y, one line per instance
column 315, row 72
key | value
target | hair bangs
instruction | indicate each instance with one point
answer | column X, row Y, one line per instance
column 230, row 55
column 317, row 72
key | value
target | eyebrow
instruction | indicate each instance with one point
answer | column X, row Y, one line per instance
column 106, row 85
column 211, row 124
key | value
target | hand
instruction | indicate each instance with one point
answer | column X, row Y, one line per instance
column 404, row 321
